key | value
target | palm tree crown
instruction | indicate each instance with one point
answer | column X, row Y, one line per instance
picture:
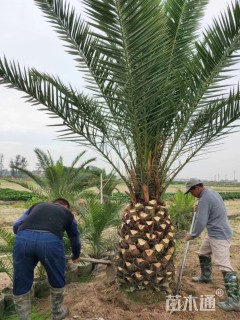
column 158, row 92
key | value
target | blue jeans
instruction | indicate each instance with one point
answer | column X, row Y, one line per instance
column 30, row 247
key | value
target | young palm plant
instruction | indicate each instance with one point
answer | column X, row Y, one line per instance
column 180, row 209
column 157, row 98
column 6, row 246
column 57, row 180
column 95, row 219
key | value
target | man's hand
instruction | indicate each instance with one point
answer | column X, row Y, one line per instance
column 195, row 207
column 76, row 260
column 188, row 237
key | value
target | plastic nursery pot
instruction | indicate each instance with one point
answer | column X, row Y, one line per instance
column 84, row 269
column 71, row 274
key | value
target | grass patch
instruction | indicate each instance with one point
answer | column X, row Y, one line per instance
column 85, row 279
column 11, row 315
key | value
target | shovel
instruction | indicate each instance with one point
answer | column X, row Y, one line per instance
column 184, row 258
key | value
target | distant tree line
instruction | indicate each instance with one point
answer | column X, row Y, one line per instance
column 18, row 161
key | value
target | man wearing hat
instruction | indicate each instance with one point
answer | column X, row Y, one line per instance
column 211, row 213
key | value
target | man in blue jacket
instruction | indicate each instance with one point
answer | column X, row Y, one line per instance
column 211, row 214
column 39, row 232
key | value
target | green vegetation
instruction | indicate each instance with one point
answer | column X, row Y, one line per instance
column 95, row 219
column 7, row 194
column 181, row 210
column 34, row 315
column 8, row 239
column 57, row 180
column 34, row 200
column 230, row 195
column 121, row 197
column 6, row 262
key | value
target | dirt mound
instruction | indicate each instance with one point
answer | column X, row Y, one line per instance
column 97, row 300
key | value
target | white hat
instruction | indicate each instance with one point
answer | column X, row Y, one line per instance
column 191, row 183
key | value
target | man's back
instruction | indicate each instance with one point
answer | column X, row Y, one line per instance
column 49, row 217
column 211, row 209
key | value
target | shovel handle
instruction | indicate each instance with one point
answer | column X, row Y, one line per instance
column 184, row 257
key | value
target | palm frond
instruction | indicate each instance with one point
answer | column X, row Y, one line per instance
column 184, row 21
column 95, row 219
column 157, row 83
column 7, row 237
column 215, row 57
column 6, row 265
column 75, row 31
column 208, row 126
column 37, row 179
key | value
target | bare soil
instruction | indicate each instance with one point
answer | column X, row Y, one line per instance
column 98, row 300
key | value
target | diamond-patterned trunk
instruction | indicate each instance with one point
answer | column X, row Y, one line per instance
column 146, row 247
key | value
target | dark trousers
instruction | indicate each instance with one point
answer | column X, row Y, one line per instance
column 30, row 247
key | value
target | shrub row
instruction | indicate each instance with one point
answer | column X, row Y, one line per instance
column 14, row 195
column 230, row 195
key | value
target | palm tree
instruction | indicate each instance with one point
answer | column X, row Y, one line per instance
column 96, row 218
column 158, row 98
column 58, row 180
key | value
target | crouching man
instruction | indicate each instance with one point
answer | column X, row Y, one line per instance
column 39, row 232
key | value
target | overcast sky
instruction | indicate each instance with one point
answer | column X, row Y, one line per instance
column 26, row 37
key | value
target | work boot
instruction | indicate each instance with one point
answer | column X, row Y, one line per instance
column 206, row 270
column 59, row 311
column 232, row 287
column 23, row 306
